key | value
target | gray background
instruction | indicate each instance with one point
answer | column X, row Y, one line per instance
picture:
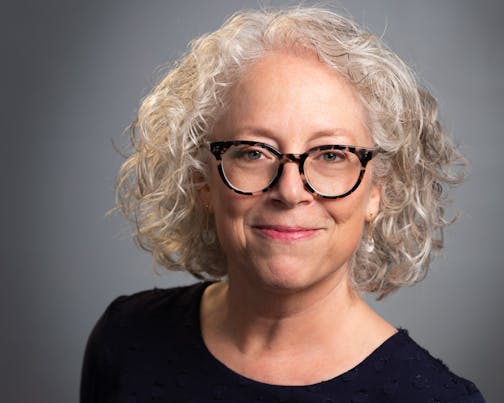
column 73, row 74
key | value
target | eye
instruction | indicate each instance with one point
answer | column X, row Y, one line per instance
column 247, row 154
column 332, row 156
column 252, row 154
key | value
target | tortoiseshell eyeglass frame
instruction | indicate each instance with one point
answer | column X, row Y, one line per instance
column 217, row 148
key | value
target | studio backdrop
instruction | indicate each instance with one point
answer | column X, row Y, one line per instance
column 74, row 73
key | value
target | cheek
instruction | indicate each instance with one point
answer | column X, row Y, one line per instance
column 349, row 215
column 230, row 212
column 350, row 209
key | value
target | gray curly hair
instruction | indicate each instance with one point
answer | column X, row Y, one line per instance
column 157, row 186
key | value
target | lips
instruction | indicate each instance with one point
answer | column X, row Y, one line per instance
column 285, row 233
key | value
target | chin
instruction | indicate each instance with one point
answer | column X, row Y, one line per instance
column 289, row 278
column 284, row 285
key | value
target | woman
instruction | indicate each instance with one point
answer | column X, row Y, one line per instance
column 293, row 162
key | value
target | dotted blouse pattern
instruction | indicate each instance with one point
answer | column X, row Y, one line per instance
column 148, row 348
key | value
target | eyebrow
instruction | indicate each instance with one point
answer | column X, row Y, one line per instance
column 267, row 133
column 255, row 130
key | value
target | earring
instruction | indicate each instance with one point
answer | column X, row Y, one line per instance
column 207, row 235
column 369, row 240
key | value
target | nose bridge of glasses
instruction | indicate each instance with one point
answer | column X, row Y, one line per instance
column 295, row 158
column 284, row 159
column 292, row 158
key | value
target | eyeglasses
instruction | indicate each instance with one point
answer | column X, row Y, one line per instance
column 328, row 171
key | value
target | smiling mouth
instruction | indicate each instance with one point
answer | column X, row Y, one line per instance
column 283, row 233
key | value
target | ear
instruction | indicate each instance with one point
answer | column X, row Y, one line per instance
column 203, row 190
column 204, row 197
column 373, row 205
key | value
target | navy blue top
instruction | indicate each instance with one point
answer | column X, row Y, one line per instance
column 148, row 348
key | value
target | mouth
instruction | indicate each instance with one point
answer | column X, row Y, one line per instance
column 285, row 233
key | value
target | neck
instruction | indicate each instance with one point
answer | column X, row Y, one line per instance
column 262, row 319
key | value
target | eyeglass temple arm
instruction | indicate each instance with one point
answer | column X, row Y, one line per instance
column 365, row 155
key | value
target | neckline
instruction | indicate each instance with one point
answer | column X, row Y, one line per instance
column 233, row 374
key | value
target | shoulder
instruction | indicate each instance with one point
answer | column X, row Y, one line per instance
column 412, row 371
column 158, row 300
column 146, row 313
column 134, row 331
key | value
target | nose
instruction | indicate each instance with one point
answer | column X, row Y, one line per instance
column 290, row 190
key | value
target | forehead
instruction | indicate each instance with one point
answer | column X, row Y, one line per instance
column 294, row 96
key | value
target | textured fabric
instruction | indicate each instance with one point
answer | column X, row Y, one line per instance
column 148, row 348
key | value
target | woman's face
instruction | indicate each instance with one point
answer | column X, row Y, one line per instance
column 287, row 238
